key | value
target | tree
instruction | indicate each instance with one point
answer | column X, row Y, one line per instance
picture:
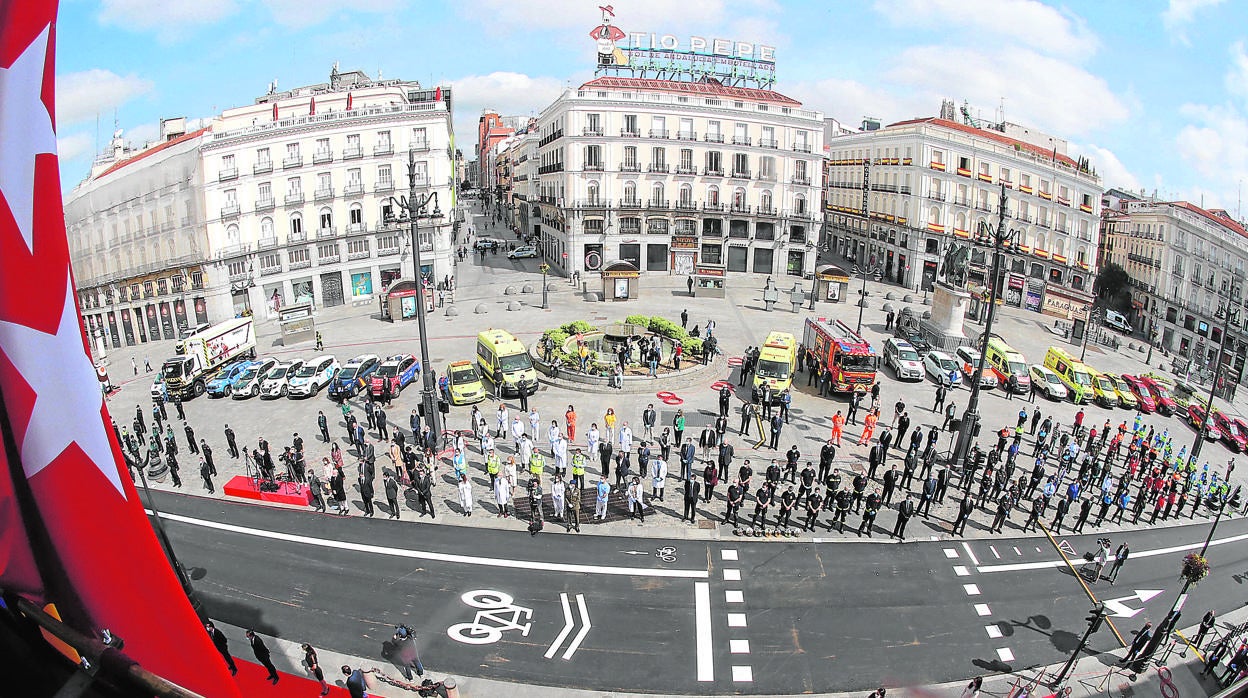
column 1111, row 281
column 466, row 185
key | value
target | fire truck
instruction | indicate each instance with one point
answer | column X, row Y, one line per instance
column 849, row 358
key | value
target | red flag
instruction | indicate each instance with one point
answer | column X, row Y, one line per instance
column 437, row 94
column 348, row 101
column 275, row 111
column 85, row 529
column 312, row 107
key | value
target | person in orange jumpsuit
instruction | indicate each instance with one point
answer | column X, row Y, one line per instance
column 838, row 423
column 869, row 426
column 570, row 416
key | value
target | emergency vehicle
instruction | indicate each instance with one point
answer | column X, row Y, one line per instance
column 849, row 358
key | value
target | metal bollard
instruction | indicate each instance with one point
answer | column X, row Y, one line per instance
column 451, row 686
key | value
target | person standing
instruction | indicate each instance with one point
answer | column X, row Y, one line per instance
column 905, row 510
column 174, row 473
column 464, row 487
column 777, row 425
column 602, row 492
column 206, row 473
column 314, row 667
column 502, row 496
column 691, row 491
column 965, row 507
column 337, row 485
column 1120, row 558
column 1206, row 624
column 941, row 393
column 222, row 644
column 367, row 494
column 262, row 655
column 392, row 493
column 570, row 419
column 230, row 442
column 684, row 319
column 1138, row 644
column 748, row 411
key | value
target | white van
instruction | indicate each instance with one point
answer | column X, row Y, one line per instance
column 1117, row 321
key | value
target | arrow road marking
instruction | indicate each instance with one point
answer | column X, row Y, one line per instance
column 568, row 624
column 634, row 552
column 567, row 627
column 585, row 626
column 1121, row 610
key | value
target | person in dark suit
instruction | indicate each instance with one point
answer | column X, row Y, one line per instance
column 965, row 507
column 229, row 441
column 692, row 488
column 1063, row 506
column 1138, row 644
column 222, row 644
column 383, row 429
column 206, row 473
column 322, row 423
column 726, row 453
column 905, row 510
column 366, row 494
column 392, row 494
column 777, row 424
column 424, row 490
column 262, row 655
column 206, row 451
column 190, row 440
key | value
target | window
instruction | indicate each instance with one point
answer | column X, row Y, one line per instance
column 264, row 193
column 712, row 195
column 799, row 205
column 227, row 165
column 714, row 162
column 322, row 150
column 658, row 127
column 658, row 156
column 353, row 146
column 292, row 150
column 355, row 181
column 630, row 124
column 299, row 256
column 263, row 159
column 270, row 263
column 738, row 199
column 419, row 140
column 266, row 229
column 1005, row 175
column 327, row 219
column 294, row 187
column 764, row 201
column 593, row 124
column 712, row 254
column 686, row 161
column 630, row 226
column 964, row 163
column 296, row 224
column 593, row 157
column 630, row 158
column 799, row 172
column 656, row 194
column 355, row 215
column 657, row 226
column 421, row 170
column 767, row 168
column 741, row 134
column 357, row 249
column 630, row 192
column 383, row 176
column 383, row 142
column 712, row 129
column 740, row 165
column 686, row 129
column 593, row 193
column 768, row 139
column 686, row 196
column 324, row 185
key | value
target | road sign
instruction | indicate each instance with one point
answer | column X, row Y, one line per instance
column 1117, row 607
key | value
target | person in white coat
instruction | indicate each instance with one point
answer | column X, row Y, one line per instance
column 557, row 492
column 517, row 428
column 525, row 450
column 535, row 423
column 637, row 500
column 501, row 420
column 658, row 477
column 626, row 439
column 465, row 494
column 560, row 453
column 502, row 494
column 487, row 443
column 553, row 432
column 592, row 437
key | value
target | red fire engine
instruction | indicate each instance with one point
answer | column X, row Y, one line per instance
column 850, row 360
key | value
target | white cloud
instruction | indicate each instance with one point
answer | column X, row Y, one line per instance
column 508, row 16
column 1237, row 75
column 84, row 95
column 170, row 18
column 1113, row 173
column 305, row 13
column 1086, row 103
column 1181, row 13
column 73, row 146
column 510, row 94
column 1026, row 22
column 848, row 100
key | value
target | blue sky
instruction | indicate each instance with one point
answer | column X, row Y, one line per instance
column 1154, row 93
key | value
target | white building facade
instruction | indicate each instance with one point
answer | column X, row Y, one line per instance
column 677, row 176
column 934, row 181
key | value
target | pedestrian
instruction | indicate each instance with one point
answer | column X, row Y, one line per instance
column 313, row 663
column 691, row 491
column 206, row 473
column 684, row 319
column 1120, row 558
column 1206, row 624
column 191, row 445
column 229, row 441
column 1138, row 644
column 338, row 487
column 206, row 451
column 222, row 644
column 174, row 473
column 262, row 655
column 973, row 688
column 391, row 487
column 502, row 496
column 905, row 510
column 464, row 486
column 366, row 494
column 777, row 425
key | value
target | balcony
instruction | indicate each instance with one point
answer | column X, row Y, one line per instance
column 296, row 237
column 766, row 211
column 323, row 194
column 227, row 174
column 713, row 207
column 1024, row 217
column 587, row 131
column 802, row 181
column 713, row 138
column 328, row 258
column 713, row 172
column 962, row 201
column 739, row 208
column 657, row 167
column 265, row 204
column 292, row 161
column 768, row 143
column 801, row 148
column 630, row 167
column 357, row 228
column 359, row 254
column 630, row 203
column 383, row 149
column 593, row 167
column 686, row 205
column 630, row 229
column 423, row 145
column 658, row 204
column 262, row 167
column 740, row 174
column 266, row 243
column 301, row 264
column 421, row 182
column 229, row 211
column 740, row 140
column 686, row 170
column 326, row 233
column 322, row 156
column 686, row 136
column 383, row 186
column 625, row 133
column 352, row 152
column 659, row 133
column 592, row 203
column 353, row 189
column 238, row 276
column 766, row 176
column 294, row 198
column 984, row 206
column 270, row 270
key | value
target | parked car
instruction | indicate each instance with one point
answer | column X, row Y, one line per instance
column 313, row 375
column 353, row 377
column 248, row 383
column 1126, row 398
column 1143, row 398
column 1196, row 417
column 523, row 252
column 464, row 383
column 158, row 388
column 276, row 382
column 903, row 358
column 1047, row 382
column 968, row 358
column 222, row 383
column 922, row 346
column 1231, row 436
column 488, row 244
column 943, row 368
column 399, row 370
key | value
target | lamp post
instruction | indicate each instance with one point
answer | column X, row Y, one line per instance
column 1152, row 334
column 866, row 270
column 416, row 207
column 545, row 269
column 1087, row 330
column 970, row 418
column 1232, row 315
column 159, row 524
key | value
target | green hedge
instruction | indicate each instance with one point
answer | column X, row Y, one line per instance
column 667, row 328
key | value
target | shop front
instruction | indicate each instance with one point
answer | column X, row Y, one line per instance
column 621, row 281
column 684, row 254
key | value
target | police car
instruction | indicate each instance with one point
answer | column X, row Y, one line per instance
column 353, row 377
column 398, row 370
column 312, row 376
column 223, row 382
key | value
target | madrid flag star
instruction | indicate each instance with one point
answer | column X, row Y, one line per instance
column 74, row 533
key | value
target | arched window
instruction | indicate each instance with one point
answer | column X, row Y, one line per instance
column 1040, row 241
column 173, row 249
column 656, row 193
column 1059, row 246
column 630, row 191
column 738, row 199
column 799, row 205
column 326, row 218
column 266, row 228
column 355, row 215
column 686, row 194
column 593, row 192
column 296, row 224
column 764, row 200
column 933, row 215
column 959, row 221
column 712, row 195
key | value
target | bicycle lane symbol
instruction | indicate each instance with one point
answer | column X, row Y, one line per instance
column 496, row 612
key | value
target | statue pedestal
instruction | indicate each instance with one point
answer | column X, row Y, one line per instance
column 944, row 328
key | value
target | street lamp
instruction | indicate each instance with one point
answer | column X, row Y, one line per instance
column 1152, row 333
column 415, row 207
column 1232, row 315
column 1093, row 315
column 970, row 418
column 866, row 270
column 545, row 269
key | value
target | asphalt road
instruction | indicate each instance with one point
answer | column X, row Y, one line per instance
column 779, row 618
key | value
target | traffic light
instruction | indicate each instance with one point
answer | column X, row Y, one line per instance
column 1096, row 616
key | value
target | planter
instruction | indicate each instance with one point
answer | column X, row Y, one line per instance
column 1195, row 568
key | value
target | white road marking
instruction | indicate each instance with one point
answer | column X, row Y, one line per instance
column 702, row 624
column 1116, row 607
column 995, row 554
column 970, row 553
column 970, row 589
column 1038, row 549
column 728, row 555
column 567, row 627
column 441, row 557
column 993, row 631
column 961, row 570
column 1023, row 566
column 585, row 626
column 734, row 596
column 1017, row 551
column 982, row 609
column 1005, row 654
column 736, row 620
column 739, row 646
column 742, row 674
column 732, row 575
column 951, row 553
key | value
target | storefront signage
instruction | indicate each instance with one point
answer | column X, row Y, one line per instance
column 667, row 57
column 709, row 271
column 621, row 274
column 684, row 242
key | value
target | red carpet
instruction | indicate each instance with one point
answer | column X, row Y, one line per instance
column 287, row 492
column 252, row 680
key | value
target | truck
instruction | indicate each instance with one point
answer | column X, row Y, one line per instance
column 849, row 359
column 777, row 359
column 201, row 353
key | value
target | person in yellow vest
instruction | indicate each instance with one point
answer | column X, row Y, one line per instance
column 578, row 469
column 537, row 464
column 493, row 464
